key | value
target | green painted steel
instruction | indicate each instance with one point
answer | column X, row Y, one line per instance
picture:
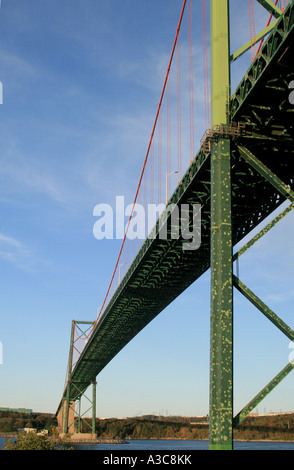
column 94, row 408
column 221, row 316
column 220, row 63
column 258, row 303
column 73, row 387
column 162, row 270
column 254, row 40
column 69, row 387
column 271, row 7
column 80, row 416
column 262, row 232
column 263, row 393
column 221, row 335
column 268, row 79
column 266, row 173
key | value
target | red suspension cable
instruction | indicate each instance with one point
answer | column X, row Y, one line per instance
column 268, row 23
column 146, row 157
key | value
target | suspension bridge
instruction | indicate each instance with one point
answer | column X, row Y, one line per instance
column 242, row 172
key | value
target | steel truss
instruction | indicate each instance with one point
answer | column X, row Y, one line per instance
column 73, row 407
column 249, row 295
column 221, row 420
column 242, row 173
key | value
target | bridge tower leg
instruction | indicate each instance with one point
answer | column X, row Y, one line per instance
column 221, row 313
column 94, row 408
column 79, row 414
column 70, row 416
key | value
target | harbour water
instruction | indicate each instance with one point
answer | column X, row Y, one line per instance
column 177, row 445
column 172, row 445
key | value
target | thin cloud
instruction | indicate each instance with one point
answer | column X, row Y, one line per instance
column 25, row 176
column 13, row 251
column 277, row 298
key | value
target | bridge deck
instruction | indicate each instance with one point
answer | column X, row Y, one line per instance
column 162, row 270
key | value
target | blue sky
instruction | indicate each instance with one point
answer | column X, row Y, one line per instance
column 81, row 85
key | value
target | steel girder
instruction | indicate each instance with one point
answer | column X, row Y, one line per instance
column 162, row 270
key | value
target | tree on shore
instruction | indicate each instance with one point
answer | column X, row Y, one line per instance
column 33, row 441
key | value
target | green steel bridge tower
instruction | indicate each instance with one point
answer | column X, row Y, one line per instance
column 222, row 278
column 221, row 342
column 242, row 173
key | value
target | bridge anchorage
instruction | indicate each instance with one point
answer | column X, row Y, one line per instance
column 243, row 172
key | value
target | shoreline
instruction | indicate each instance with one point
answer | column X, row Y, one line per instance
column 126, row 441
column 94, row 441
column 122, row 441
column 11, row 435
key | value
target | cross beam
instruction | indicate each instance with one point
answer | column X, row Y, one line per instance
column 271, row 8
column 248, row 44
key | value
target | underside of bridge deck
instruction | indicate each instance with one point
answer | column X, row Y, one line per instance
column 261, row 130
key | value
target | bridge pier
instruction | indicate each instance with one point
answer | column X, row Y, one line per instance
column 69, row 419
column 66, row 417
column 94, row 408
column 265, row 162
column 221, row 320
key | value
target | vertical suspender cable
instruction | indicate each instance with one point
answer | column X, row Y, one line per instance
column 191, row 81
column 152, row 173
column 252, row 28
column 146, row 157
column 269, row 20
column 179, row 109
column 250, row 21
column 160, row 157
column 253, row 20
column 168, row 140
column 205, row 66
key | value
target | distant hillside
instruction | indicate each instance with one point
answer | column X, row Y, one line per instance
column 279, row 427
column 276, row 427
column 271, row 427
column 11, row 421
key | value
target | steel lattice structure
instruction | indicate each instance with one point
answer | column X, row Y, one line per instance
column 243, row 172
